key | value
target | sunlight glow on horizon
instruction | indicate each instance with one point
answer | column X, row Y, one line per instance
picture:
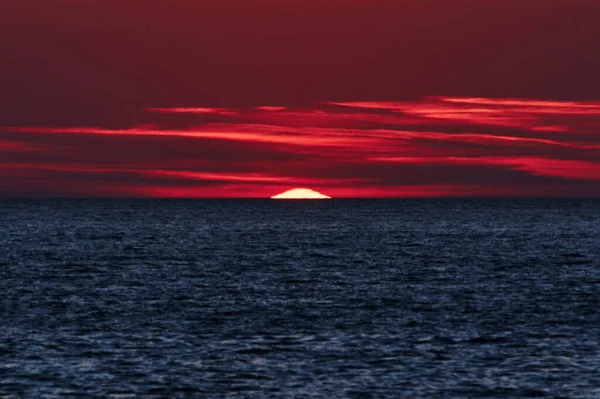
column 301, row 193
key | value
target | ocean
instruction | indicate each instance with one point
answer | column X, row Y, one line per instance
column 415, row 298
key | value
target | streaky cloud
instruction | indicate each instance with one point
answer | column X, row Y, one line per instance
column 429, row 147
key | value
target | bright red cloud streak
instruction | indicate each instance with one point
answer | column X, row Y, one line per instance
column 438, row 146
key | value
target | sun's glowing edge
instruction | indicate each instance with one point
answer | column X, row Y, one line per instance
column 301, row 194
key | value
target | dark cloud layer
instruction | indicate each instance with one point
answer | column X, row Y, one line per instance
column 72, row 62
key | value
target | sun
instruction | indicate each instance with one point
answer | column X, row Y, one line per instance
column 301, row 193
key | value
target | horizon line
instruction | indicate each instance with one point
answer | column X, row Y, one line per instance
column 591, row 197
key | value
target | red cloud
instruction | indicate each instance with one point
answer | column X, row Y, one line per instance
column 437, row 146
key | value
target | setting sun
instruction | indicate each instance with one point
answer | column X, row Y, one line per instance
column 301, row 193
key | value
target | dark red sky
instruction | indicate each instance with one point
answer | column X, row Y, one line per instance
column 375, row 98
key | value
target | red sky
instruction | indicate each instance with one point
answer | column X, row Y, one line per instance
column 249, row 98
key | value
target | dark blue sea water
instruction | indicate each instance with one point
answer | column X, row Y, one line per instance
column 260, row 298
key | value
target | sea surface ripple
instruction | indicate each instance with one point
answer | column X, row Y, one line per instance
column 261, row 298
